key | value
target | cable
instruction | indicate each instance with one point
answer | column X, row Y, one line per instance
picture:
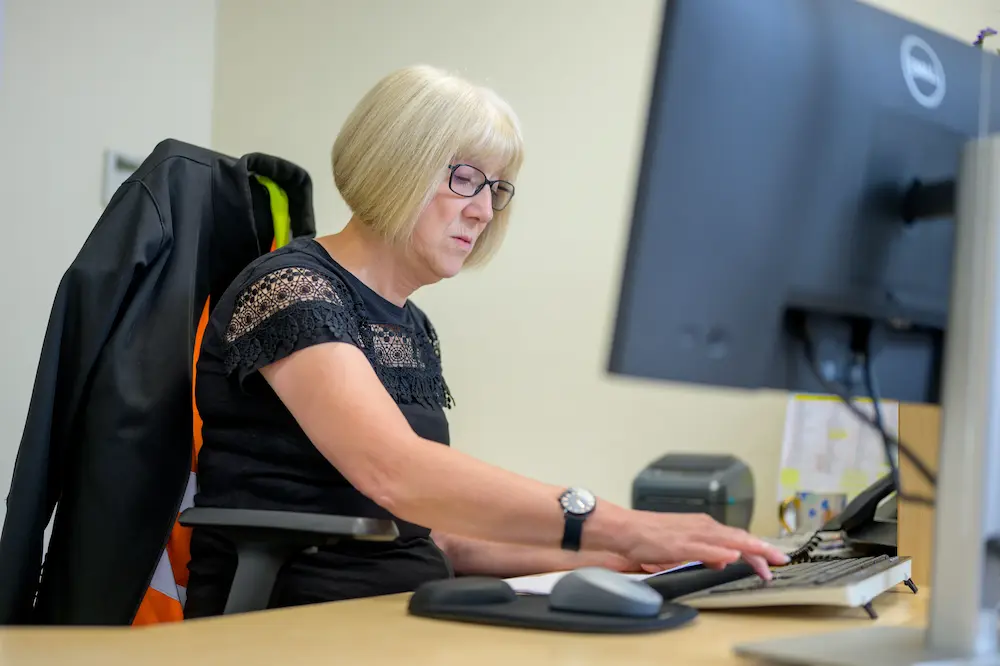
column 873, row 394
column 888, row 442
column 888, row 439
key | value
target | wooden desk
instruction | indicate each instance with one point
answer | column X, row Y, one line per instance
column 378, row 631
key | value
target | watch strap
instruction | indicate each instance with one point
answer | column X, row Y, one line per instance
column 572, row 531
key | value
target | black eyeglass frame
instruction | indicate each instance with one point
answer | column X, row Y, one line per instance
column 486, row 181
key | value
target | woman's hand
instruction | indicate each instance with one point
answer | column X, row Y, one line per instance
column 658, row 568
column 686, row 537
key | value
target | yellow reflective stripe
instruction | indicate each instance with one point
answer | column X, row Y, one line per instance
column 279, row 211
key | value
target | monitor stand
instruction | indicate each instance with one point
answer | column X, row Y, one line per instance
column 961, row 627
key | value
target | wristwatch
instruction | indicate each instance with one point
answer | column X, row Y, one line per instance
column 576, row 504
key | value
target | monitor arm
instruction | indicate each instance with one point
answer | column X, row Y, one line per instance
column 929, row 201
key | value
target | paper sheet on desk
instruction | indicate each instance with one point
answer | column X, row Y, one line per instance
column 543, row 583
column 828, row 449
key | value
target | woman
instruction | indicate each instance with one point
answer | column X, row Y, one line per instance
column 320, row 385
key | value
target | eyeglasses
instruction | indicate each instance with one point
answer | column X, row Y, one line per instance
column 467, row 181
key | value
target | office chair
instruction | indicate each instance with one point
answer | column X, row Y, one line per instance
column 109, row 449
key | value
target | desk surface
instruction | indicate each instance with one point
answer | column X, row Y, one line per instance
column 376, row 631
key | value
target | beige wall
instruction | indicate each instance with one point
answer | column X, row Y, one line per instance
column 77, row 78
column 525, row 340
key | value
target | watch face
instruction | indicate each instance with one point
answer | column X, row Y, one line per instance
column 578, row 501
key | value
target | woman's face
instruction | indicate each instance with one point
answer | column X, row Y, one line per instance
column 448, row 228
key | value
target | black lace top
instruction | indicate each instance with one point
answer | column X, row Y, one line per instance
column 256, row 456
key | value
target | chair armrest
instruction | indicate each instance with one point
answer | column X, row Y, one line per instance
column 265, row 540
column 314, row 528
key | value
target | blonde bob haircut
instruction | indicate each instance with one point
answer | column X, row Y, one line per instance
column 394, row 149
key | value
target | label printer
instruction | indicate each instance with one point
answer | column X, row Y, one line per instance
column 719, row 485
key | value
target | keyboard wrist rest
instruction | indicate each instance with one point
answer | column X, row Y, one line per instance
column 681, row 583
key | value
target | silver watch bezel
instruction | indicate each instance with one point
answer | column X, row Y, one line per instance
column 566, row 501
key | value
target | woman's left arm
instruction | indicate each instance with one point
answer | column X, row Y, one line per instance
column 475, row 557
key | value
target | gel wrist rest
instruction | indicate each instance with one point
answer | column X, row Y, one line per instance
column 493, row 601
column 680, row 583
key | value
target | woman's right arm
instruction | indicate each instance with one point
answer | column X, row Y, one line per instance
column 339, row 402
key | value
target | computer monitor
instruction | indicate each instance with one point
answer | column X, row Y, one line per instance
column 782, row 137
column 820, row 181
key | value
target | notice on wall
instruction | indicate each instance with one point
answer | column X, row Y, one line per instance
column 827, row 448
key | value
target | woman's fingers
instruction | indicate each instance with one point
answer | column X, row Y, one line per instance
column 657, row 568
column 711, row 554
column 759, row 565
column 776, row 556
column 700, row 537
column 771, row 554
column 746, row 543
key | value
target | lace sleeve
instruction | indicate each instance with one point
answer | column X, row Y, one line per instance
column 286, row 310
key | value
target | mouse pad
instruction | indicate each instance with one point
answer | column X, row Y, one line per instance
column 493, row 601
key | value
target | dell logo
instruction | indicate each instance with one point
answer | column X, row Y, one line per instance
column 922, row 71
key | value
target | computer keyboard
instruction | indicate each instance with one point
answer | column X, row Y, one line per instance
column 851, row 582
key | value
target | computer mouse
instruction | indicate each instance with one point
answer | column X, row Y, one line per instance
column 604, row 592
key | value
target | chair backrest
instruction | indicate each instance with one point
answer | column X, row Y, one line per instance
column 165, row 596
column 109, row 449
